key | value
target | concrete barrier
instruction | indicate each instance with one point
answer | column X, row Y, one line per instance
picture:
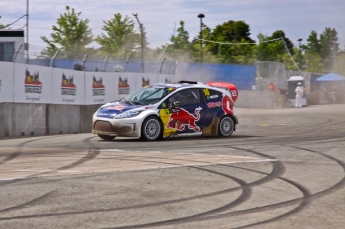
column 29, row 119
column 21, row 119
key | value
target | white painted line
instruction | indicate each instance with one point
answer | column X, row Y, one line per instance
column 110, row 150
column 193, row 165
column 34, row 170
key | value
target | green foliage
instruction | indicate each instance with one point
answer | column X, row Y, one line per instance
column 314, row 63
column 1, row 25
column 120, row 39
column 70, row 35
column 226, row 39
column 180, row 47
column 339, row 66
column 325, row 46
column 268, row 50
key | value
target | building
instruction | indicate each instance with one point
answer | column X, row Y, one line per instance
column 12, row 45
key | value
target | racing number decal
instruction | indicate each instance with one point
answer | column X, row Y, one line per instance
column 206, row 92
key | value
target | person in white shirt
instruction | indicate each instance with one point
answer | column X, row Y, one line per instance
column 299, row 94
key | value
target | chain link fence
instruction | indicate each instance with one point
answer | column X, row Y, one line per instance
column 275, row 72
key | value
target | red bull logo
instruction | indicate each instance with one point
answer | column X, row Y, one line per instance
column 182, row 119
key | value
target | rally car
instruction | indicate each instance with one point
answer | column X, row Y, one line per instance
column 168, row 109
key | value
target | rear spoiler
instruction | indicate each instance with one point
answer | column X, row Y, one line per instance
column 229, row 86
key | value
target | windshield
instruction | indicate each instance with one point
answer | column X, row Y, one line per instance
column 147, row 95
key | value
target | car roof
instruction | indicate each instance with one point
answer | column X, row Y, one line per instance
column 180, row 84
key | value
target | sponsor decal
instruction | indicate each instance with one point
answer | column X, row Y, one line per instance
column 68, row 87
column 228, row 105
column 214, row 104
column 32, row 83
column 183, row 119
column 114, row 107
column 123, row 85
column 145, row 82
column 98, row 89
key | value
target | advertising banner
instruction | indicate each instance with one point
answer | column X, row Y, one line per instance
column 32, row 84
column 6, row 82
column 100, row 87
column 166, row 78
column 68, row 87
column 127, row 83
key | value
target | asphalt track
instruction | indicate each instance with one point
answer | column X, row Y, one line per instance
column 282, row 168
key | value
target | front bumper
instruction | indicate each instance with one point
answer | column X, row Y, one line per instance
column 117, row 127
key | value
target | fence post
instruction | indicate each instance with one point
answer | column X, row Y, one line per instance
column 124, row 68
column 16, row 53
column 53, row 58
column 160, row 70
column 84, row 60
column 105, row 63
column 175, row 66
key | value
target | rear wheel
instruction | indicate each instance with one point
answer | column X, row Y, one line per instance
column 226, row 126
column 151, row 129
column 106, row 137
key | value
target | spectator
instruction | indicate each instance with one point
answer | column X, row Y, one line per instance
column 299, row 94
column 272, row 87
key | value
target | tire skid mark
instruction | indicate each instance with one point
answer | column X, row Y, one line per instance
column 23, row 205
column 92, row 154
column 278, row 170
column 307, row 199
column 18, row 151
column 244, row 197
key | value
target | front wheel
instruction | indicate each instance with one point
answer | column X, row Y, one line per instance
column 226, row 127
column 106, row 137
column 151, row 129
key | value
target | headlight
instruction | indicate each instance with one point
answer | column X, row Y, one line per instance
column 128, row 114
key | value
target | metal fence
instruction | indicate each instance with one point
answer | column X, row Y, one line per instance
column 110, row 64
column 275, row 72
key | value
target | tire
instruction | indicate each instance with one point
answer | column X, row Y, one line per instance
column 151, row 129
column 106, row 137
column 226, row 126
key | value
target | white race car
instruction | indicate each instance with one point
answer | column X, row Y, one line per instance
column 168, row 109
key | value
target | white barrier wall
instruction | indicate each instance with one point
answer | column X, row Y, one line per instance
column 21, row 83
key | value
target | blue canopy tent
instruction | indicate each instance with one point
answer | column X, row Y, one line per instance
column 334, row 87
column 330, row 77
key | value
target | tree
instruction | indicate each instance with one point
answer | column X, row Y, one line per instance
column 1, row 25
column 339, row 66
column 325, row 46
column 120, row 38
column 180, row 47
column 72, row 35
column 231, row 32
column 272, row 48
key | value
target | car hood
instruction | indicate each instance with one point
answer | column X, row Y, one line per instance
column 110, row 110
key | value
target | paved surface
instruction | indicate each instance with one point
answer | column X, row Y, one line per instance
column 282, row 168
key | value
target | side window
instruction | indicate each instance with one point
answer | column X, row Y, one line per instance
column 212, row 95
column 185, row 97
column 6, row 51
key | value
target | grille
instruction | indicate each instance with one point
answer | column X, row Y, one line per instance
column 104, row 126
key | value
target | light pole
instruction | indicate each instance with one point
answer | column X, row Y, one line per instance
column 201, row 16
column 142, row 42
column 299, row 52
column 26, row 47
